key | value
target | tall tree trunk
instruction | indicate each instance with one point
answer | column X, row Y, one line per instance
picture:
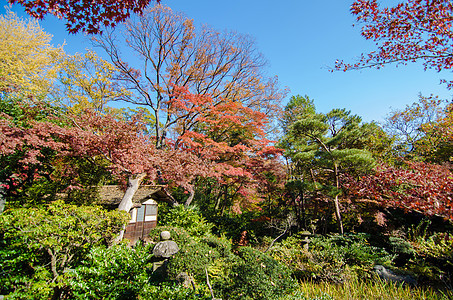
column 126, row 203
column 338, row 215
column 2, row 198
column 336, row 201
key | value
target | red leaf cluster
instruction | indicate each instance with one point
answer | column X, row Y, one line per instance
column 422, row 187
column 231, row 136
column 84, row 15
column 413, row 30
column 120, row 143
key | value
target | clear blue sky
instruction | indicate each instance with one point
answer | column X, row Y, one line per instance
column 301, row 39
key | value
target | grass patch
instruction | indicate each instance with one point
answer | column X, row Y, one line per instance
column 359, row 290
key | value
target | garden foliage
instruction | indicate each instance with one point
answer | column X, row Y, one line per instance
column 39, row 245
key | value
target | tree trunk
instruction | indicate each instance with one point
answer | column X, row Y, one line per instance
column 336, row 201
column 132, row 186
column 126, row 203
column 338, row 215
column 2, row 203
column 2, row 198
column 189, row 200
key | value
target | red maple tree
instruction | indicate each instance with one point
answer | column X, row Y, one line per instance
column 230, row 135
column 410, row 31
column 421, row 187
column 225, row 141
column 130, row 154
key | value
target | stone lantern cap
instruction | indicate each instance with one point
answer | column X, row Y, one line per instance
column 165, row 248
column 165, row 235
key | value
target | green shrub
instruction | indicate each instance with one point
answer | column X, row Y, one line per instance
column 195, row 255
column 221, row 244
column 38, row 245
column 353, row 248
column 433, row 259
column 178, row 235
column 427, row 254
column 332, row 258
column 248, row 275
column 192, row 258
column 121, row 272
column 255, row 275
column 117, row 272
column 188, row 218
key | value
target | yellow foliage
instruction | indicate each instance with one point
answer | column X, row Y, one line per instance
column 86, row 83
column 28, row 62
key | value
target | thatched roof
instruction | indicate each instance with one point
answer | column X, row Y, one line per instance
column 112, row 195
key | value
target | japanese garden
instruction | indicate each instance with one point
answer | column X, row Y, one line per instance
column 167, row 162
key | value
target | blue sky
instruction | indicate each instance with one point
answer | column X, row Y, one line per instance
column 301, row 39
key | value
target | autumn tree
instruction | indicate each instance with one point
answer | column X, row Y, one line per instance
column 122, row 148
column 84, row 15
column 28, row 61
column 230, row 135
column 415, row 187
column 410, row 31
column 409, row 126
column 173, row 54
column 219, row 136
column 323, row 146
column 121, row 145
column 437, row 144
column 85, row 81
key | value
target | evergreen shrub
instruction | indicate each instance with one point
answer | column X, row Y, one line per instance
column 117, row 272
column 256, row 275
column 187, row 218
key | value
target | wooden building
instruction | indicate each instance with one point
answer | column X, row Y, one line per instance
column 144, row 211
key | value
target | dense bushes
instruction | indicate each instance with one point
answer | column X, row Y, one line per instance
column 425, row 253
column 244, row 273
column 117, row 272
column 122, row 272
column 332, row 258
column 39, row 245
column 64, row 251
column 256, row 275
column 188, row 218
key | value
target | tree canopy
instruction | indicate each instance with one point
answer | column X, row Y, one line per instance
column 409, row 31
column 174, row 54
column 84, row 15
column 323, row 146
column 28, row 61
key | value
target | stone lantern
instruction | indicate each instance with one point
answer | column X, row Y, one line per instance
column 163, row 251
column 305, row 238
